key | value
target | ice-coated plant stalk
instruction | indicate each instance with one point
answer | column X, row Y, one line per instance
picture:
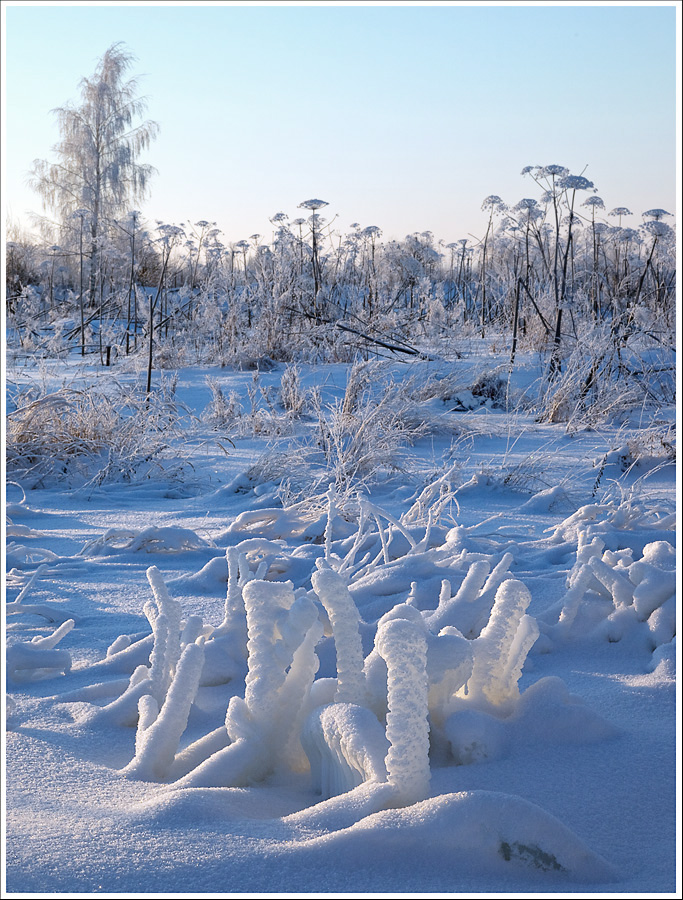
column 617, row 584
column 403, row 646
column 283, row 631
column 499, row 573
column 580, row 583
column 159, row 731
column 165, row 621
column 447, row 611
column 265, row 602
column 29, row 584
column 502, row 647
column 331, row 515
column 334, row 595
column 235, row 613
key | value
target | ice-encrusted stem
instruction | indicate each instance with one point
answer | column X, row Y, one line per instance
column 266, row 607
column 154, row 679
column 345, row 743
column 124, row 709
column 234, row 617
column 335, row 596
column 451, row 609
column 160, row 730
column 618, row 585
column 282, row 633
column 502, row 647
column 331, row 515
column 29, row 584
column 164, row 616
column 580, row 583
column 297, row 686
column 403, row 646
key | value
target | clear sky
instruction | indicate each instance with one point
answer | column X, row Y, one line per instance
column 404, row 116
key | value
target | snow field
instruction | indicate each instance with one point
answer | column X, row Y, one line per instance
column 431, row 693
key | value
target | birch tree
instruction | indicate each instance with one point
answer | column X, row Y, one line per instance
column 97, row 166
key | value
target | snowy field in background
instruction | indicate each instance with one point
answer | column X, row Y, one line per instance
column 514, row 580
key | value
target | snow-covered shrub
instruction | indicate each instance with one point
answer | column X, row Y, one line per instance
column 263, row 417
column 643, row 449
column 292, row 395
column 361, row 435
column 436, row 502
column 546, row 713
column 601, row 381
column 90, row 435
column 491, row 386
column 221, row 411
column 354, row 441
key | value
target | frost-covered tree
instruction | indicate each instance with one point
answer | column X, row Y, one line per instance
column 97, row 166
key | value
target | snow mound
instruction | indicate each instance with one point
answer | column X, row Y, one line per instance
column 478, row 831
column 154, row 539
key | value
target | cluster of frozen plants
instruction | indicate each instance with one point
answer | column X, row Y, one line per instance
column 428, row 678
column 430, row 671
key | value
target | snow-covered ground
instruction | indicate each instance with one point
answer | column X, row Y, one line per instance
column 195, row 706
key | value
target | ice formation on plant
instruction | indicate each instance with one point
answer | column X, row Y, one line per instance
column 345, row 742
column 165, row 617
column 470, row 608
column 46, row 610
column 441, row 676
column 30, row 660
column 160, row 729
column 155, row 659
column 502, row 647
column 264, row 727
column 403, row 646
column 640, row 591
column 346, row 746
column 334, row 595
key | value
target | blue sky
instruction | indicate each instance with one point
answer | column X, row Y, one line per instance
column 401, row 116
